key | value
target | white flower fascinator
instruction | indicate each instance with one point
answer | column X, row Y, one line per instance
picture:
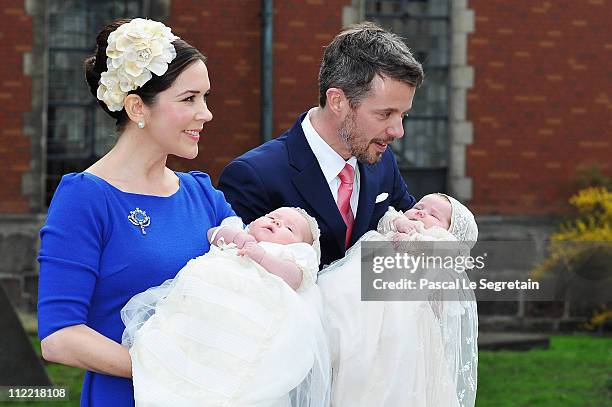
column 135, row 50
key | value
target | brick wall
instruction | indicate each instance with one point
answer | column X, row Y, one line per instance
column 15, row 99
column 229, row 35
column 301, row 31
column 541, row 102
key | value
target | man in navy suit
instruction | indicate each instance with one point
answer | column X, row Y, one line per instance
column 367, row 81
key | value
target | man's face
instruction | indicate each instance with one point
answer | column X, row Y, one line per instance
column 368, row 129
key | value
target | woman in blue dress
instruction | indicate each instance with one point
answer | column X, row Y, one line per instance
column 128, row 222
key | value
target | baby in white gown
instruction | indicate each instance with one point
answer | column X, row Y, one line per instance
column 238, row 326
column 402, row 353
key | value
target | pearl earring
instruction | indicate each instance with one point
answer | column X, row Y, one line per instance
column 141, row 125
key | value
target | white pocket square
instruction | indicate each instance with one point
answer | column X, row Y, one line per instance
column 381, row 197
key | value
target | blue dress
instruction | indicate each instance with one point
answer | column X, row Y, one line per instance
column 93, row 259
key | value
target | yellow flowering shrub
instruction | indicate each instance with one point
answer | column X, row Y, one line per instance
column 593, row 223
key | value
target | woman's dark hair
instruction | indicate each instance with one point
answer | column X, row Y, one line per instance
column 96, row 64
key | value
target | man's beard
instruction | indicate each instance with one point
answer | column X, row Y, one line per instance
column 355, row 141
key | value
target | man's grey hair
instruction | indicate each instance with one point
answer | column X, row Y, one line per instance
column 358, row 54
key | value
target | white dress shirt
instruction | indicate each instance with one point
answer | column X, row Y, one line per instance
column 331, row 163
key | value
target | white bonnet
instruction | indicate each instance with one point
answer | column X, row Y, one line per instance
column 462, row 225
column 314, row 229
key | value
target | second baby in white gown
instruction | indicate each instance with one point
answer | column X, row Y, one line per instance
column 404, row 353
column 238, row 326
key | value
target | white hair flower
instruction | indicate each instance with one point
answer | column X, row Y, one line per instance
column 135, row 50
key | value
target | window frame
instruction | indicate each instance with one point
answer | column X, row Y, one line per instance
column 431, row 173
column 97, row 129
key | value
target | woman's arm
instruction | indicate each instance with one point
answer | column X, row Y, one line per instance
column 82, row 347
column 72, row 242
column 285, row 269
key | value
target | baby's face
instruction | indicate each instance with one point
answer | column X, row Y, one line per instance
column 283, row 225
column 432, row 210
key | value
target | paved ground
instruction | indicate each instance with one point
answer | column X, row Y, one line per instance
column 512, row 341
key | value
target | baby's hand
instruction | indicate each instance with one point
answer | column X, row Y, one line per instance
column 399, row 236
column 252, row 251
column 399, row 240
column 242, row 238
column 405, row 225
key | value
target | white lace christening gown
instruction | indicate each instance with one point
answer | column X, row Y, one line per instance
column 396, row 353
column 225, row 332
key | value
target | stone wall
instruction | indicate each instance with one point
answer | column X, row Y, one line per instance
column 523, row 315
column 18, row 266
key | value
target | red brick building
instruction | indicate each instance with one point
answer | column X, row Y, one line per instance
column 541, row 103
column 518, row 96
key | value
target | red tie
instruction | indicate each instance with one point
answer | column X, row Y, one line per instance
column 347, row 176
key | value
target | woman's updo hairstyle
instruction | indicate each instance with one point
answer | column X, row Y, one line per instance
column 96, row 64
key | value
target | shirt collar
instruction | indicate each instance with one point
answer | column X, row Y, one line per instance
column 331, row 162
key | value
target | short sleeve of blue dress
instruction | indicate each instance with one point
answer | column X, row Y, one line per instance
column 101, row 246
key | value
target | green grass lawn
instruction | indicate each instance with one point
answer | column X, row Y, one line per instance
column 575, row 372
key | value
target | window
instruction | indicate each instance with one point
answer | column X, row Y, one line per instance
column 78, row 131
column 422, row 153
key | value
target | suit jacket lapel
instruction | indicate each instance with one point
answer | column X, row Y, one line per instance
column 310, row 182
column 367, row 194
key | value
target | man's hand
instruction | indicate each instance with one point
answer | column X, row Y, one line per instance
column 405, row 225
column 254, row 252
column 242, row 238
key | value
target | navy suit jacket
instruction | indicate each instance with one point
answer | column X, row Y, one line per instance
column 285, row 172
